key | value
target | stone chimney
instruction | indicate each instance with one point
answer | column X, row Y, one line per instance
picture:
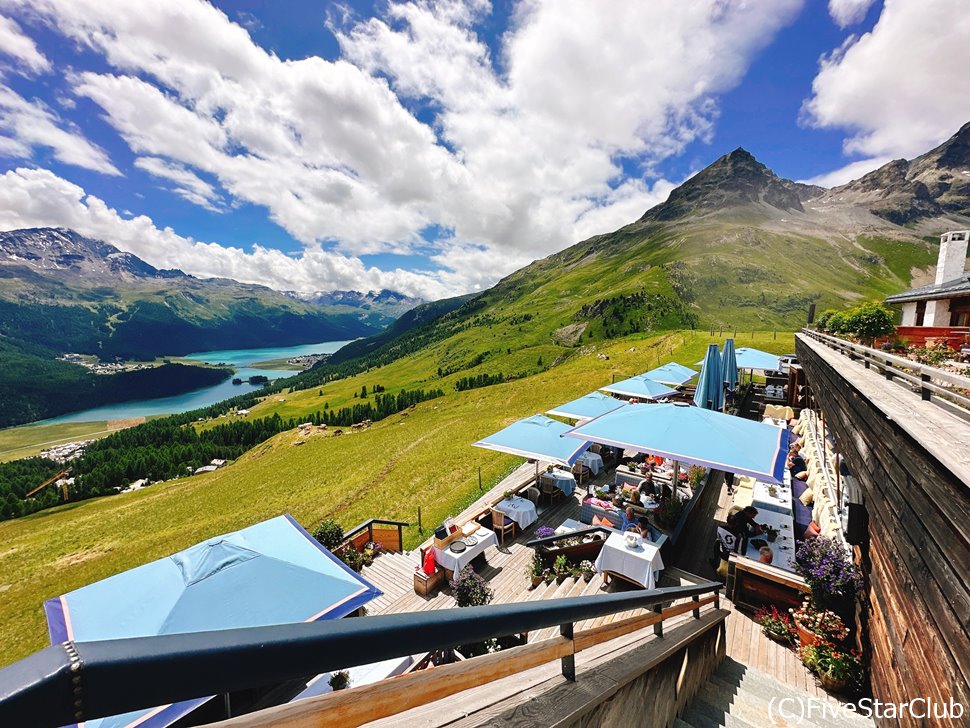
column 953, row 255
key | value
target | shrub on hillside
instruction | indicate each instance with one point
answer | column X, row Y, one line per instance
column 329, row 534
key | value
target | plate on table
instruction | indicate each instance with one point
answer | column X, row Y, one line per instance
column 457, row 547
column 470, row 541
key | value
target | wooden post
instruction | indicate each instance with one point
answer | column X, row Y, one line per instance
column 924, row 391
column 568, row 661
column 420, row 527
column 658, row 628
column 479, row 477
column 696, row 612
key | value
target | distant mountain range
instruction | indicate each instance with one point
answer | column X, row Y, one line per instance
column 383, row 306
column 735, row 246
column 62, row 292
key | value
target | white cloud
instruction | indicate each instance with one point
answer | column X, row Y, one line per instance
column 188, row 185
column 851, row 171
column 26, row 125
column 901, row 88
column 38, row 197
column 17, row 45
column 848, row 12
column 526, row 152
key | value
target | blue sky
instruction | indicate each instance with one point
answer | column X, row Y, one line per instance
column 435, row 146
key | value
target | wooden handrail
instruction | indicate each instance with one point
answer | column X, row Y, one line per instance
column 892, row 366
column 357, row 706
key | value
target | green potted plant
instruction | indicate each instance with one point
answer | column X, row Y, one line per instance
column 837, row 669
column 695, row 474
column 507, row 495
column 772, row 491
column 776, row 625
column 587, row 569
column 339, row 680
column 329, row 534
column 561, row 568
column 535, row 569
column 830, row 574
column 549, row 576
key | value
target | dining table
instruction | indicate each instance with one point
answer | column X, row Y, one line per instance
column 519, row 509
column 640, row 565
column 780, row 502
column 564, row 480
column 455, row 561
column 592, row 461
column 783, row 547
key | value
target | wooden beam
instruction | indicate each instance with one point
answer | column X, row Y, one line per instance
column 357, row 706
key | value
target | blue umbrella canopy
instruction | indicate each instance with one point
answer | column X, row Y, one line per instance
column 729, row 365
column 671, row 373
column 537, row 438
column 271, row 573
column 756, row 359
column 710, row 387
column 640, row 387
column 693, row 435
column 587, row 407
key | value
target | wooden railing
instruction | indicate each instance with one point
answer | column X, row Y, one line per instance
column 389, row 534
column 919, row 378
column 73, row 682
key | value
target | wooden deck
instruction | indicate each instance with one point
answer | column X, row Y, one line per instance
column 505, row 570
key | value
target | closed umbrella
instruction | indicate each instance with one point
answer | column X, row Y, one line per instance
column 710, row 385
column 729, row 365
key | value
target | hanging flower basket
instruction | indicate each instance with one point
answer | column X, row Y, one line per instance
column 832, row 684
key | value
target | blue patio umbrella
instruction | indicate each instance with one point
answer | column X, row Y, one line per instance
column 749, row 358
column 671, row 373
column 640, row 387
column 710, row 387
column 693, row 435
column 537, row 438
column 729, row 365
column 271, row 573
column 587, row 407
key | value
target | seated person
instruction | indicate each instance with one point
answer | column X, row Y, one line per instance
column 643, row 528
column 766, row 555
column 796, row 463
column 648, row 488
column 630, row 520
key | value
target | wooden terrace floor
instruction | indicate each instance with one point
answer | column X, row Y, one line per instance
column 505, row 572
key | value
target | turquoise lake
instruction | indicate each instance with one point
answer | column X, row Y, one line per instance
column 239, row 359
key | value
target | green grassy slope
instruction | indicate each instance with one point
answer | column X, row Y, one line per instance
column 423, row 457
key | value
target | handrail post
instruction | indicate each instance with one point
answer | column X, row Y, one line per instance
column 717, row 598
column 924, row 391
column 696, row 612
column 658, row 628
column 370, row 531
column 568, row 661
column 888, row 370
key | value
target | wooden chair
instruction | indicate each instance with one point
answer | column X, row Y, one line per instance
column 533, row 494
column 502, row 523
column 582, row 473
column 549, row 489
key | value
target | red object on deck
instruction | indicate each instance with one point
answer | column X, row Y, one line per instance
column 429, row 563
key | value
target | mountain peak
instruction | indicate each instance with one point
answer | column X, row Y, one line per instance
column 736, row 179
column 933, row 184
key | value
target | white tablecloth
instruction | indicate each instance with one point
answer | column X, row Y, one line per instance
column 520, row 510
column 592, row 461
column 640, row 565
column 565, row 481
column 780, row 502
column 783, row 547
column 456, row 562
